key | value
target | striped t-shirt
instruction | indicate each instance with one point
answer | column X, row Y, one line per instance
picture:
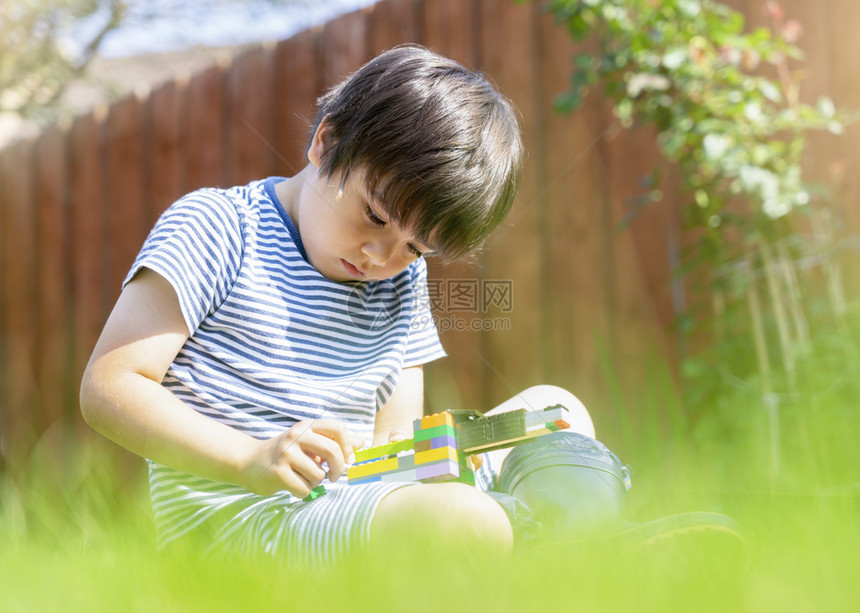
column 272, row 341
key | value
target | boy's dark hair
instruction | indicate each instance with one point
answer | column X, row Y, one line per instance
column 440, row 146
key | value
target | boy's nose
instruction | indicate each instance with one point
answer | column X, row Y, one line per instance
column 379, row 252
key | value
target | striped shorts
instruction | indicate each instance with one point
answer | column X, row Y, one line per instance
column 232, row 519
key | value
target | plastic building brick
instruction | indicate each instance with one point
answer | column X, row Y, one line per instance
column 315, row 493
column 480, row 434
column 430, row 455
column 442, row 443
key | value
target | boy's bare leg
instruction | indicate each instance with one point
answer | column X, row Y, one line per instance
column 451, row 513
column 441, row 513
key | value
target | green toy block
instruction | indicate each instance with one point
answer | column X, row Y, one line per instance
column 317, row 492
column 444, row 430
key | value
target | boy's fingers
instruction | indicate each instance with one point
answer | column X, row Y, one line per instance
column 328, row 451
column 357, row 441
column 308, row 469
column 340, row 434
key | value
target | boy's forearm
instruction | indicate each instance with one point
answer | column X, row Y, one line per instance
column 147, row 419
column 405, row 405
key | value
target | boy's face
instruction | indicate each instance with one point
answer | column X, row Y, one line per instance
column 345, row 232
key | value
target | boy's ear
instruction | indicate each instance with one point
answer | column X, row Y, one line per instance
column 320, row 141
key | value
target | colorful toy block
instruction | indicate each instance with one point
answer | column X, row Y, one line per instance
column 480, row 434
column 442, row 443
column 315, row 493
column 430, row 455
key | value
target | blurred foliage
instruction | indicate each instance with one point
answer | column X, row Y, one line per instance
column 687, row 68
column 44, row 45
column 768, row 318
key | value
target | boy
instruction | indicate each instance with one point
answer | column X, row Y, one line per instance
column 266, row 331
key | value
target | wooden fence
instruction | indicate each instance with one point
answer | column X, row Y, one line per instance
column 573, row 301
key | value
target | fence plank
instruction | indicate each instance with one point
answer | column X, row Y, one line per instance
column 19, row 274
column 449, row 29
column 344, row 46
column 576, row 301
column 249, row 144
column 205, row 131
column 127, row 204
column 86, row 214
column 392, row 23
column 4, row 324
column 53, row 286
column 297, row 85
column 632, row 156
column 643, row 254
column 513, row 251
column 167, row 114
column 843, row 49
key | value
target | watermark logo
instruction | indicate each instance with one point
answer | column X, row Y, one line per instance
column 450, row 302
column 471, row 295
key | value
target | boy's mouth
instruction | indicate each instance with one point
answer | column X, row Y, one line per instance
column 352, row 270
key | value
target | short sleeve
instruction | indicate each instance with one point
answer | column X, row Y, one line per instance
column 423, row 344
column 197, row 246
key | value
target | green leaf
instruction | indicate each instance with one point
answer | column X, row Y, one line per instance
column 567, row 102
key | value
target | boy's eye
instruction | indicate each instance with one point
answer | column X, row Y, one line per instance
column 373, row 217
column 415, row 251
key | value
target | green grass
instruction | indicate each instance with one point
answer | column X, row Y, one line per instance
column 75, row 534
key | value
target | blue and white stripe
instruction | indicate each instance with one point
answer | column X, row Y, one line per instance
column 273, row 342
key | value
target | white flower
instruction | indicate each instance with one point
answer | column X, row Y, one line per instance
column 753, row 112
column 675, row 58
column 641, row 81
column 776, row 207
column 715, row 145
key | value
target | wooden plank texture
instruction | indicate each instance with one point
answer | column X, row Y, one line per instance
column 167, row 115
column 512, row 346
column 297, row 84
column 344, row 46
column 127, row 195
column 574, row 293
column 450, row 29
column 205, row 157
column 392, row 23
column 460, row 380
column 87, row 242
column 53, row 287
column 19, row 290
column 249, row 147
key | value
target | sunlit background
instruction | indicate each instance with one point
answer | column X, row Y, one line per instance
column 710, row 325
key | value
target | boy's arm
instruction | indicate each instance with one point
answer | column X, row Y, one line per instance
column 394, row 420
column 122, row 398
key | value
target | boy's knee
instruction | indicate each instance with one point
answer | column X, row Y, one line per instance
column 580, row 420
column 539, row 397
column 444, row 514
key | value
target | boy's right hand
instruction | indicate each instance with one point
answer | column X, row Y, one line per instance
column 294, row 460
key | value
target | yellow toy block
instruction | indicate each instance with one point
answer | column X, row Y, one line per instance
column 378, row 466
column 380, row 451
column 435, row 455
column 437, row 419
